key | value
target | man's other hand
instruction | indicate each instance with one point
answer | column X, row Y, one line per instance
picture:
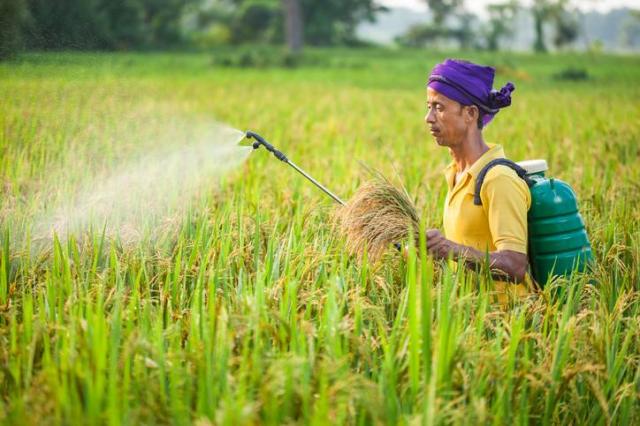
column 438, row 246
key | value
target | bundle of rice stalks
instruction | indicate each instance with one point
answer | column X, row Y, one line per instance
column 377, row 216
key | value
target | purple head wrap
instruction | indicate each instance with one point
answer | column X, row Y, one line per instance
column 471, row 84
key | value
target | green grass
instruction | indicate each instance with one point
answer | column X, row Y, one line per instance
column 249, row 310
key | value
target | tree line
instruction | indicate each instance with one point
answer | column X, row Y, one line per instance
column 161, row 24
column 451, row 22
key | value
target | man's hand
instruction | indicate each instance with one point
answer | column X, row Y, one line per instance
column 439, row 247
column 504, row 264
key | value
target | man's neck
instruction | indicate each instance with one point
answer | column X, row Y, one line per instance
column 468, row 152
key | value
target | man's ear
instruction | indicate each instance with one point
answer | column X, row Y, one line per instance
column 472, row 113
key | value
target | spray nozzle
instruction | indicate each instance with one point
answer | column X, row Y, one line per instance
column 261, row 141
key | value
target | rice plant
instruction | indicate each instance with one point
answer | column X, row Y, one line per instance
column 377, row 216
column 245, row 307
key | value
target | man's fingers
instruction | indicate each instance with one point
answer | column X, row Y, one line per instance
column 433, row 244
column 436, row 246
column 444, row 250
column 434, row 237
column 441, row 248
column 431, row 233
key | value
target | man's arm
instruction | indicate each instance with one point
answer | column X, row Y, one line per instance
column 503, row 263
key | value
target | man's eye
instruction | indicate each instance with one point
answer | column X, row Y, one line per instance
column 439, row 108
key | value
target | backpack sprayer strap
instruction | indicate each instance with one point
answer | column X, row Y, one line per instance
column 522, row 174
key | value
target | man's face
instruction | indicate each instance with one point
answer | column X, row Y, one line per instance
column 447, row 119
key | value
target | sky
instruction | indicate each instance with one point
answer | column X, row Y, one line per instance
column 479, row 6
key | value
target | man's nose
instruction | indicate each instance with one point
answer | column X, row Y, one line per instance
column 429, row 118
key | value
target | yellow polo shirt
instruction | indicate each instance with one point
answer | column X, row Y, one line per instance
column 500, row 223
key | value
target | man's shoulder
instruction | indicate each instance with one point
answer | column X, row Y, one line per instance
column 502, row 172
column 503, row 181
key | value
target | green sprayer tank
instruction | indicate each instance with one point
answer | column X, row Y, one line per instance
column 558, row 241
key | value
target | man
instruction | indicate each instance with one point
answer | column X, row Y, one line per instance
column 460, row 103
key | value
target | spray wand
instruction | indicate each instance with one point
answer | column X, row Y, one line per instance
column 259, row 140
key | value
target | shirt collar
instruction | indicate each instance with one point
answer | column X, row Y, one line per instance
column 495, row 151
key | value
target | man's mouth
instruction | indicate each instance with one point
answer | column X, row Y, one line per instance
column 434, row 132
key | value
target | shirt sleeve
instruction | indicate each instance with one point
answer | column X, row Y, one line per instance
column 506, row 200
